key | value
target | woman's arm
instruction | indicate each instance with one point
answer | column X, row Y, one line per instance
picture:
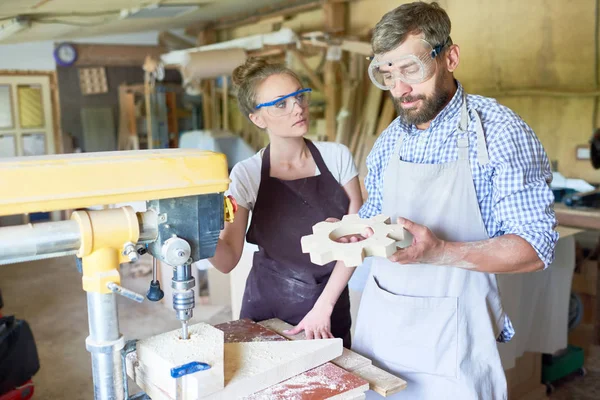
column 231, row 242
column 317, row 323
column 352, row 189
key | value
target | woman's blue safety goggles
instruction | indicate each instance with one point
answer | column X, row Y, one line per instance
column 285, row 104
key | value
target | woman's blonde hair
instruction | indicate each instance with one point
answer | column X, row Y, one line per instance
column 252, row 73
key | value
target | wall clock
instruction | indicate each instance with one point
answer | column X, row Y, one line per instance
column 65, row 54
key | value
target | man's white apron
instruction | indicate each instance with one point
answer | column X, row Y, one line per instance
column 435, row 326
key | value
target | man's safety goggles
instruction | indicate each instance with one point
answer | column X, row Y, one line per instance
column 285, row 105
column 409, row 68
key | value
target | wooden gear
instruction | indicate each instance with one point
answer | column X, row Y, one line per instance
column 324, row 248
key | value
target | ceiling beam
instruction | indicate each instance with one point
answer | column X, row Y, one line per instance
column 115, row 55
column 290, row 8
column 173, row 42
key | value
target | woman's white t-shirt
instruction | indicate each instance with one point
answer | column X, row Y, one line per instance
column 245, row 175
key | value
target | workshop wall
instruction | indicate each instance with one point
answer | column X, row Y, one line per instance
column 507, row 46
column 73, row 101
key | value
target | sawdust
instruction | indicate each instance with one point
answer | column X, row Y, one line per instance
column 319, row 383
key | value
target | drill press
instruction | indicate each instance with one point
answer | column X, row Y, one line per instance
column 185, row 212
column 186, row 232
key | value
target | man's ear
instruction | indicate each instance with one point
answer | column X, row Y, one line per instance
column 452, row 57
column 258, row 120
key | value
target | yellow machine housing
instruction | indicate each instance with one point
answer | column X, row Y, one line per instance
column 71, row 181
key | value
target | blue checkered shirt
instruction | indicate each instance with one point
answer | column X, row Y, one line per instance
column 512, row 189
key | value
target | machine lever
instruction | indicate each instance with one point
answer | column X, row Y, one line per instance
column 155, row 293
column 131, row 295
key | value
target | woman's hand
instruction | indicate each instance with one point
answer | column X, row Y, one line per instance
column 368, row 232
column 316, row 324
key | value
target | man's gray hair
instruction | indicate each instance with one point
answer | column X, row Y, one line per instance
column 411, row 19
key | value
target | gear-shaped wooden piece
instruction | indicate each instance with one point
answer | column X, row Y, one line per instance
column 324, row 248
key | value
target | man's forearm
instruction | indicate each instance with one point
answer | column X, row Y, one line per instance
column 501, row 255
column 337, row 282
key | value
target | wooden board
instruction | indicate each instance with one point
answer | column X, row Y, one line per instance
column 349, row 360
column 379, row 380
column 115, row 54
column 98, row 129
column 158, row 354
column 525, row 378
column 577, row 218
column 334, row 380
column 343, row 385
column 251, row 367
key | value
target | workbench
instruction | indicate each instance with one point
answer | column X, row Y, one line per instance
column 327, row 381
column 582, row 218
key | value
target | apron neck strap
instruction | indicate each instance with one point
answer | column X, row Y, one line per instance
column 463, row 141
column 316, row 154
column 463, row 123
column 265, row 169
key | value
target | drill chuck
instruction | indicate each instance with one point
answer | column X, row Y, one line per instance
column 183, row 293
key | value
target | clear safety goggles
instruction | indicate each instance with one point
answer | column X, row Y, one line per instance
column 285, row 105
column 409, row 68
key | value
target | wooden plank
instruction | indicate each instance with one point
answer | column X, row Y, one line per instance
column 525, row 377
column 349, row 91
column 205, row 36
column 147, row 102
column 290, row 9
column 349, row 360
column 206, row 106
column 172, row 119
column 115, row 54
column 214, row 101
column 331, row 98
column 314, row 79
column 159, row 354
column 374, row 98
column 585, row 278
column 225, row 92
column 335, row 14
column 253, row 366
column 350, row 46
column 267, row 51
column 172, row 42
column 388, row 113
column 587, row 219
column 55, row 99
column 381, row 381
column 124, row 118
column 326, row 381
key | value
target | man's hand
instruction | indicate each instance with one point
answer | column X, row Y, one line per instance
column 316, row 324
column 352, row 238
column 426, row 248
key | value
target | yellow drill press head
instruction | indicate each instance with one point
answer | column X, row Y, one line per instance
column 183, row 190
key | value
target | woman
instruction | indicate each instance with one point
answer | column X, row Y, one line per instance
column 289, row 186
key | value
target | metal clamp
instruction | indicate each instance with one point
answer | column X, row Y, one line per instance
column 104, row 347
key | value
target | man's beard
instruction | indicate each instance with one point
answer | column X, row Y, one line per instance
column 430, row 107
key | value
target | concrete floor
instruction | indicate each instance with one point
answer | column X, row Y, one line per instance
column 577, row 387
column 48, row 295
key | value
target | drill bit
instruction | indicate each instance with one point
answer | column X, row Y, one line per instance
column 184, row 330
